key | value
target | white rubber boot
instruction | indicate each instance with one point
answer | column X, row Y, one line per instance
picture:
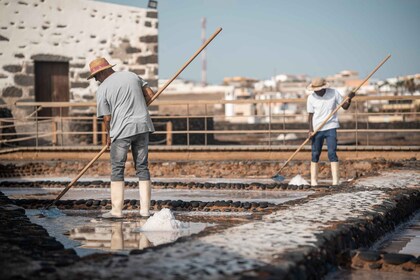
column 145, row 194
column 335, row 172
column 314, row 173
column 117, row 200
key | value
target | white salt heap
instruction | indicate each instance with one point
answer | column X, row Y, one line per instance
column 298, row 180
column 164, row 220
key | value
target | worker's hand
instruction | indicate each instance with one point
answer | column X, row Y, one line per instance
column 351, row 94
column 310, row 133
column 108, row 142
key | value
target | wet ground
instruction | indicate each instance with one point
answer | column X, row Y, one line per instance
column 85, row 232
column 225, row 245
column 276, row 197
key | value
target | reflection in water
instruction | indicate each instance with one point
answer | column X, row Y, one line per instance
column 122, row 235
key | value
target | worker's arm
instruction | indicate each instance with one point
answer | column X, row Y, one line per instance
column 107, row 121
column 346, row 104
column 148, row 93
column 311, row 128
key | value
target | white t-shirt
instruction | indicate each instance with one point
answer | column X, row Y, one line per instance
column 322, row 106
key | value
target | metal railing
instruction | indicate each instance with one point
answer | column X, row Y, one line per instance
column 242, row 122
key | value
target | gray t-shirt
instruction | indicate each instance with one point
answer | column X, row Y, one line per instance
column 121, row 96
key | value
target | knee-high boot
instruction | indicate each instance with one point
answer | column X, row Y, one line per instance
column 335, row 172
column 145, row 194
column 314, row 173
column 117, row 200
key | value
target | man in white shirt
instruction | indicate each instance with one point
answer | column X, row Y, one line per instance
column 320, row 104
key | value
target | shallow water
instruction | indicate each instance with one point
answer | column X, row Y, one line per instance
column 404, row 240
column 276, row 197
column 86, row 234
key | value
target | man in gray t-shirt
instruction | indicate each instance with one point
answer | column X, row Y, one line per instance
column 122, row 103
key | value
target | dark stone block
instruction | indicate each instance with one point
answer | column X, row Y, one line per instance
column 149, row 39
column 247, row 205
column 2, row 76
column 104, row 202
column 148, row 24
column 79, row 84
column 138, row 71
column 202, row 204
column 88, row 97
column 12, row 92
column 263, row 204
column 2, row 38
column 176, row 203
column 12, row 68
column 84, row 75
column 49, row 57
column 132, row 50
column 77, row 65
column 397, row 259
column 375, row 266
column 147, row 59
column 370, row 256
column 152, row 14
column 24, row 80
column 19, row 55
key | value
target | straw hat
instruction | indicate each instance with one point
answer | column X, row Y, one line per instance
column 98, row 65
column 318, row 84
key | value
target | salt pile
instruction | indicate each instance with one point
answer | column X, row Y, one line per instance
column 164, row 220
column 298, row 180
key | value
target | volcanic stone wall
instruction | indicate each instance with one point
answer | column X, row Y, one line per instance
column 76, row 32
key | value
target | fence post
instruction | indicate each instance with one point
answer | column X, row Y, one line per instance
column 188, row 124
column 205, row 125
column 269, row 123
column 103, row 133
column 61, row 126
column 36, row 123
column 169, row 133
column 95, row 130
column 54, row 131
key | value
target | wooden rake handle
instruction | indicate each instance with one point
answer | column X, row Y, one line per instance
column 333, row 112
column 148, row 103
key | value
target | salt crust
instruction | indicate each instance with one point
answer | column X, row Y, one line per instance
column 250, row 245
column 389, row 180
column 298, row 181
column 164, row 220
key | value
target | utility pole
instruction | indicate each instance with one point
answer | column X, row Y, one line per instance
column 203, row 54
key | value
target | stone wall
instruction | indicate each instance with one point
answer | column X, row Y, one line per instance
column 76, row 32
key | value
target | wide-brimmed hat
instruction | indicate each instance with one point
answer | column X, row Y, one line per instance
column 318, row 84
column 98, row 65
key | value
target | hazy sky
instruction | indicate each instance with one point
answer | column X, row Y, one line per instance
column 261, row 38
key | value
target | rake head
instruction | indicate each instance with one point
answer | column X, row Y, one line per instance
column 278, row 178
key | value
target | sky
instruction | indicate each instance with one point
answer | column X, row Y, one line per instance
column 262, row 38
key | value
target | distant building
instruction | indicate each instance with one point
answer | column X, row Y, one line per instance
column 243, row 89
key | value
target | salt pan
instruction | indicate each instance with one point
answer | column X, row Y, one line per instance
column 298, row 180
column 164, row 220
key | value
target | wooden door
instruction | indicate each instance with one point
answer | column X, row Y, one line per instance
column 52, row 85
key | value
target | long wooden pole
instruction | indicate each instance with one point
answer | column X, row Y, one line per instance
column 332, row 113
column 148, row 103
column 186, row 64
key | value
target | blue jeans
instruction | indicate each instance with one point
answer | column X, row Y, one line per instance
column 318, row 141
column 139, row 148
